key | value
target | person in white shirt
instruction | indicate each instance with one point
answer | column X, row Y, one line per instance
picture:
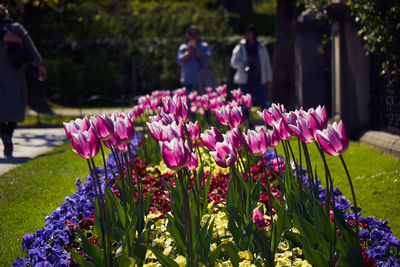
column 251, row 60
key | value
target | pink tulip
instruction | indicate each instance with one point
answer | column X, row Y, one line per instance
column 193, row 163
column 193, row 95
column 85, row 143
column 204, row 101
column 302, row 130
column 222, row 90
column 333, row 140
column 78, row 124
column 211, row 137
column 103, row 126
column 180, row 92
column 282, row 128
column 235, row 137
column 272, row 138
column 259, row 219
column 135, row 112
column 123, row 128
column 318, row 119
column 156, row 130
column 217, row 103
column 173, row 130
column 209, row 90
column 236, row 117
column 224, row 155
column 193, row 130
column 122, row 148
column 247, row 100
column 222, row 115
column 237, row 95
column 144, row 102
column 274, row 113
column 115, row 142
column 167, row 119
column 233, row 104
column 256, row 142
column 154, row 103
column 176, row 153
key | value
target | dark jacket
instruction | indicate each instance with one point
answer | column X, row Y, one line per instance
column 13, row 91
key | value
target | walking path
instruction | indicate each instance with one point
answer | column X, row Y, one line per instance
column 30, row 143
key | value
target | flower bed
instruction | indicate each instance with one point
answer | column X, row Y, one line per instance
column 246, row 205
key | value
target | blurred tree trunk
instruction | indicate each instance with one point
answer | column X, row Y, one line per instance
column 239, row 6
column 283, row 83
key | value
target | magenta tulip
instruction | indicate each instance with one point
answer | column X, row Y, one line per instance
column 222, row 90
column 193, row 162
column 103, row 126
column 237, row 95
column 333, row 140
column 180, row 92
column 317, row 119
column 135, row 112
column 247, row 100
column 193, row 130
column 123, row 128
column 259, row 219
column 156, row 130
column 85, row 143
column 122, row 148
column 225, row 154
column 193, row 95
column 273, row 114
column 256, row 142
column 144, row 102
column 236, row 117
column 173, row 130
column 204, row 101
column 78, row 124
column 222, row 115
column 176, row 153
column 302, row 130
column 211, row 137
column 272, row 138
column 235, row 137
column 282, row 128
column 114, row 142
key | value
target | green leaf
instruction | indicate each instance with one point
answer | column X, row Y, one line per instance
column 93, row 251
column 230, row 248
column 80, row 260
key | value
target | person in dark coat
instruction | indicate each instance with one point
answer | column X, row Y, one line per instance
column 13, row 90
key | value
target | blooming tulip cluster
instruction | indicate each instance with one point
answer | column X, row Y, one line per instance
column 116, row 131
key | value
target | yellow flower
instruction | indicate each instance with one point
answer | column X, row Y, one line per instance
column 245, row 255
column 213, row 247
column 301, row 263
column 246, row 263
column 180, row 260
column 152, row 264
column 295, row 230
column 227, row 263
column 167, row 250
column 283, row 246
column 297, row 251
column 150, row 255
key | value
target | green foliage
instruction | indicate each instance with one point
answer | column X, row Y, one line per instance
column 379, row 23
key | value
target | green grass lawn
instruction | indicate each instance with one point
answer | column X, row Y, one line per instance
column 32, row 191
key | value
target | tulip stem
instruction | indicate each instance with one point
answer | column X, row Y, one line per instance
column 354, row 196
column 269, row 195
column 295, row 164
column 300, row 168
column 104, row 162
column 309, row 169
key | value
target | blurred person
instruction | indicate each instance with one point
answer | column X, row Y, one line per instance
column 193, row 56
column 13, row 90
column 251, row 60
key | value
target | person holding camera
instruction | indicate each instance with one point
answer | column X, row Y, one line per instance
column 251, row 60
column 13, row 90
column 193, row 56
